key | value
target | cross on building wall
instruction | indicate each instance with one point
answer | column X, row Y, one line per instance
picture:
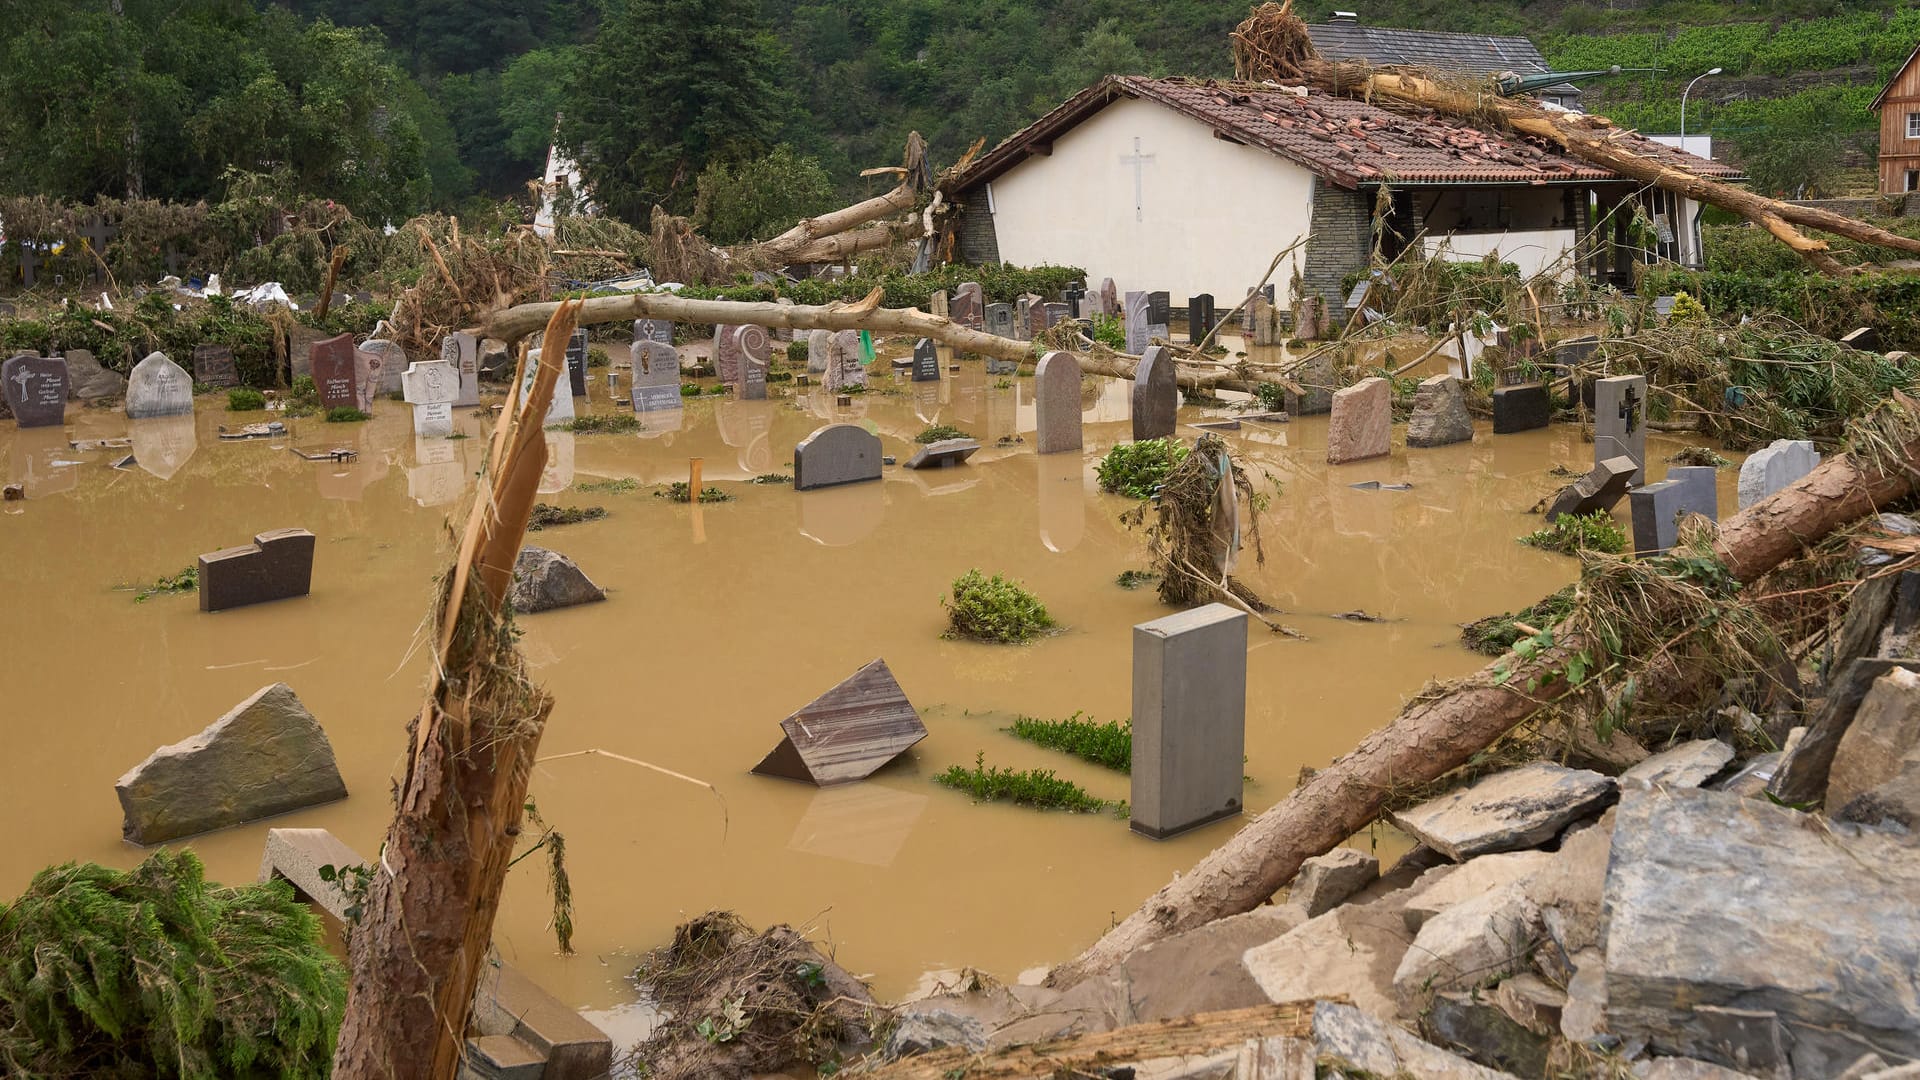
column 1139, row 162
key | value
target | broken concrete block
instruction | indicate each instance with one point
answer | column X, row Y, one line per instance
column 1599, row 490
column 265, row 757
column 1325, row 880
column 847, row 733
column 1718, row 902
column 1690, row 764
column 1508, row 811
column 544, row 580
column 1488, row 936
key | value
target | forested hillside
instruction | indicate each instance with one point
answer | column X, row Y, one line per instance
column 771, row 107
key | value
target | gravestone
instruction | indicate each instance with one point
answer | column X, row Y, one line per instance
column 1156, row 395
column 1033, row 319
column 1314, row 375
column 726, row 357
column 1521, row 408
column 1598, row 490
column 335, row 373
column 1136, row 323
column 213, row 366
column 1159, row 315
column 1109, row 297
column 1189, row 720
column 560, row 411
column 1620, row 421
column 1361, row 426
column 36, row 389
column 836, row 454
column 1864, row 339
column 937, row 304
column 1056, row 398
column 926, row 361
column 386, row 363
column 159, row 387
column 1000, row 320
column 844, row 368
column 750, row 347
column 1201, row 317
column 431, row 389
column 461, row 351
column 577, row 363
column 847, row 733
column 659, row 330
column 1055, row 314
column 656, row 376
column 1074, row 299
column 969, row 306
column 819, row 345
column 1440, row 413
column 939, row 455
column 1657, row 507
column 1261, row 321
column 277, row 565
column 1780, row 464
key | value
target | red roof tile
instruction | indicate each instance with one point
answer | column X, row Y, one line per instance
column 1351, row 143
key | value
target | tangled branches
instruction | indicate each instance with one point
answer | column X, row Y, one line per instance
column 1197, row 527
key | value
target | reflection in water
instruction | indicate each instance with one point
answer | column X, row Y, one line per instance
column 558, row 475
column 655, row 424
column 438, row 476
column 838, row 516
column 1062, row 498
column 864, row 823
column 43, row 464
column 163, row 444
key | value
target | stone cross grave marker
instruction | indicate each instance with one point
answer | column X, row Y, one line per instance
column 30, row 263
column 1138, row 162
column 431, row 389
column 969, row 306
column 461, row 351
column 1156, row 395
column 36, row 389
column 1620, row 421
column 656, row 376
column 844, row 368
column 577, row 363
column 278, row 564
column 99, row 233
column 1657, row 508
column 1056, row 396
column 1189, row 719
column 1136, row 321
column 1075, row 297
column 560, row 411
column 836, row 454
column 1201, row 317
column 926, row 361
column 752, row 348
column 1000, row 320
column 213, row 366
column 335, row 373
column 159, row 387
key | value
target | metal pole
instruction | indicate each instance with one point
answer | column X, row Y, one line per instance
column 1683, row 105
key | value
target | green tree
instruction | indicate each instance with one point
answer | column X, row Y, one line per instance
column 759, row 199
column 532, row 91
column 665, row 88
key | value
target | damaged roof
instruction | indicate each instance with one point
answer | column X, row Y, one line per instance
column 1351, row 143
column 1471, row 54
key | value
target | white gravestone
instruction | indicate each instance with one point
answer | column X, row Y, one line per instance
column 561, row 411
column 462, row 350
column 431, row 389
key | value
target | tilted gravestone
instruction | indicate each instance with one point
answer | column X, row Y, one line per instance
column 836, row 454
column 213, row 366
column 844, row 368
column 1156, row 395
column 1620, row 421
column 819, row 344
column 1136, row 323
column 431, row 388
column 1598, row 490
column 36, row 389
column 1000, row 320
column 751, row 349
column 462, row 350
column 1361, row 426
column 560, row 411
column 577, row 363
column 926, row 361
column 386, row 364
column 1056, row 396
column 277, row 565
column 1189, row 720
column 1201, row 317
column 159, row 387
column 945, row 452
column 1768, row 470
column 656, row 376
column 1657, row 508
column 847, row 733
column 335, row 373
column 1521, row 408
column 969, row 306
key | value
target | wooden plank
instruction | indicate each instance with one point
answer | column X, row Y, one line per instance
column 847, row 733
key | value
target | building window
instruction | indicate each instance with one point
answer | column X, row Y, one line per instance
column 1913, row 125
column 1913, row 180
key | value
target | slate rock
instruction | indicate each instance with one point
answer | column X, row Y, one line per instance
column 1473, row 1025
column 544, row 580
column 158, row 387
column 923, row 1031
column 1326, row 880
column 1351, row 952
column 1484, row 938
column 1452, row 884
column 89, row 380
column 1361, row 426
column 1508, row 811
column 267, row 756
column 1690, row 764
column 1599, row 490
column 1315, row 377
column 1352, row 1042
column 1884, row 735
column 1721, row 908
column 1440, row 414
column 1683, row 1068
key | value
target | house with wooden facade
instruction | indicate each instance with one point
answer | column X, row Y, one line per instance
column 1899, row 107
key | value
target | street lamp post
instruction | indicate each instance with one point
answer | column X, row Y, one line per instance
column 1683, row 104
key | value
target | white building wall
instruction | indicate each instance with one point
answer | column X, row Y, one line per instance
column 1532, row 250
column 1212, row 214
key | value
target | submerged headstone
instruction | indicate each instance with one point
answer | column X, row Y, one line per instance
column 926, row 361
column 969, row 306
column 1440, row 415
column 945, row 452
column 847, row 733
column 213, row 366
column 461, row 350
column 1202, row 317
column 1315, row 377
column 277, row 565
column 1781, row 463
column 1135, row 317
column 577, row 363
column 159, row 387
column 1361, row 426
column 836, row 454
column 267, row 756
column 560, row 410
column 1620, row 421
column 1521, row 408
column 1000, row 320
column 844, row 368
column 1056, row 397
column 431, row 389
column 544, row 580
column 36, row 389
column 1156, row 395
column 750, row 348
column 655, row 386
column 1657, row 508
column 1189, row 719
column 1599, row 490
column 336, row 374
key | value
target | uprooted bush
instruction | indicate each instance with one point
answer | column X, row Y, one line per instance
column 737, row 1004
column 994, row 609
column 155, row 972
column 1188, row 534
column 1137, row 469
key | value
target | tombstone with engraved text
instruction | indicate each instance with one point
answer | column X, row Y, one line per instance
column 36, row 389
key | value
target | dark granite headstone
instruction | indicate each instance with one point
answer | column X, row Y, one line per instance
column 926, row 361
column 277, row 565
column 1156, row 396
column 213, row 366
column 1521, row 408
column 1055, row 314
column 1000, row 320
column 836, row 454
column 1201, row 317
column 1598, row 490
column 1866, row 339
column 969, row 306
column 36, row 389
column 1159, row 308
column 1657, row 507
column 577, row 363
column 336, row 373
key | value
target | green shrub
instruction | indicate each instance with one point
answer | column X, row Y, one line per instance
column 1133, row 579
column 1024, row 787
column 939, row 432
column 245, row 399
column 153, row 972
column 346, row 414
column 1109, row 330
column 1109, row 745
column 797, row 351
column 597, row 357
column 1137, row 469
column 1272, row 396
column 994, row 609
column 1570, row 534
column 691, row 389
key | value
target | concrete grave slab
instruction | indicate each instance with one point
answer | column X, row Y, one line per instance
column 1189, row 719
column 946, row 452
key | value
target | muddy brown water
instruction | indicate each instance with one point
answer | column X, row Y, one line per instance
column 720, row 622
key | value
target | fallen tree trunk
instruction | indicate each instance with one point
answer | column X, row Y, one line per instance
column 1085, row 1055
column 1435, row 735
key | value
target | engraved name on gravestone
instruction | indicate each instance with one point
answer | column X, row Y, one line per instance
column 461, row 351
column 159, row 387
column 656, row 376
column 36, row 389
column 431, row 388
column 213, row 366
column 926, row 361
column 335, row 374
column 577, row 363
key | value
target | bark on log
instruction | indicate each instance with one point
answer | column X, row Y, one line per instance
column 1434, row 736
column 1085, row 1055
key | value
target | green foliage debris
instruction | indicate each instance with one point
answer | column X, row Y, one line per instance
column 994, row 609
column 677, row 492
column 938, row 433
column 1109, row 745
column 546, row 515
column 1570, row 534
column 346, row 414
column 618, row 423
column 245, row 399
column 185, row 581
column 619, row 486
column 1137, row 469
column 1023, row 787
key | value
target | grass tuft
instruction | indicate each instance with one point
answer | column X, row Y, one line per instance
column 620, row 486
column 346, row 414
column 938, row 433
column 1022, row 787
column 994, row 609
column 677, row 492
column 603, row 424
column 1108, row 745
column 546, row 515
column 1570, row 534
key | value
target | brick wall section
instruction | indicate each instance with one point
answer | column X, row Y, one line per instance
column 975, row 241
column 1341, row 241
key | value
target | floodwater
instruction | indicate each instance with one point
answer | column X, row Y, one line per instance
column 720, row 622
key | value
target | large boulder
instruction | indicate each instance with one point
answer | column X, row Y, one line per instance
column 1352, row 1043
column 1351, row 952
column 1440, row 413
column 544, row 580
column 266, row 757
column 1326, row 880
column 1884, row 735
column 1485, row 938
column 1736, row 927
column 1508, row 811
